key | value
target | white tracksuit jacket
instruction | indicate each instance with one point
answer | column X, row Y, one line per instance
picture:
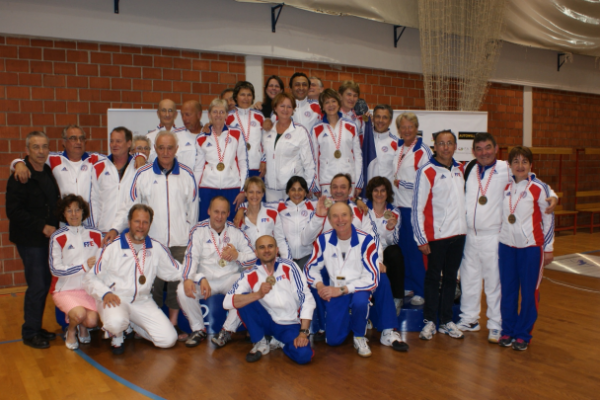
column 307, row 114
column 290, row 299
column 201, row 256
column 70, row 248
column 438, row 209
column 268, row 222
column 345, row 132
column 108, row 192
column 186, row 140
column 412, row 161
column 386, row 237
column 115, row 271
column 235, row 158
column 295, row 219
column 292, row 155
column 533, row 226
column 358, row 121
column 173, row 198
column 386, row 144
column 319, row 224
column 250, row 122
column 360, row 268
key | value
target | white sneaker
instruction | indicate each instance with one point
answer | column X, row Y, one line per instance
column 392, row 338
column 369, row 324
column 428, row 331
column 260, row 349
column 408, row 293
column 275, row 344
column 494, row 335
column 417, row 301
column 398, row 303
column 451, row 330
column 468, row 326
column 360, row 343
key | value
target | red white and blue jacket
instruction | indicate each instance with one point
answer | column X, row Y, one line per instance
column 358, row 121
column 268, row 222
column 438, row 208
column 533, row 227
column 386, row 144
column 386, row 236
column 70, row 248
column 173, row 198
column 412, row 161
column 235, row 158
column 249, row 121
column 360, row 269
column 295, row 219
column 290, row 299
column 351, row 161
column 186, row 140
column 307, row 114
column 115, row 270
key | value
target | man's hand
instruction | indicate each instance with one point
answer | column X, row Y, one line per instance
column 230, row 253
column 205, row 129
column 301, row 340
column 263, row 169
column 111, row 300
column 265, row 288
column 48, row 230
column 239, row 217
column 189, row 287
column 321, row 208
column 239, row 199
column 425, row 249
column 90, row 262
column 140, row 161
column 267, row 125
column 22, row 173
column 109, row 237
column 357, row 192
column 362, row 206
column 258, row 105
column 205, row 289
column 382, row 268
column 329, row 292
column 552, row 201
column 548, row 258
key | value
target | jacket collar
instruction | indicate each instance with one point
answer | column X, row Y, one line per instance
column 437, row 164
column 388, row 206
column 325, row 120
column 125, row 245
column 417, row 146
column 83, row 157
column 275, row 267
column 353, row 239
column 158, row 171
column 111, row 158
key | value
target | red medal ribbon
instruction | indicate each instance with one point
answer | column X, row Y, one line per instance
column 219, row 252
column 137, row 263
column 487, row 184
column 510, row 207
column 337, row 143
column 401, row 158
column 247, row 137
column 219, row 155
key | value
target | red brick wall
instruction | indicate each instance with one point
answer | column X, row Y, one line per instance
column 47, row 84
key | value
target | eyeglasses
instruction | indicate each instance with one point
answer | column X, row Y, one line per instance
column 73, row 210
column 142, row 148
column 75, row 139
column 445, row 144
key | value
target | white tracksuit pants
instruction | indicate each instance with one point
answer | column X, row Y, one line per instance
column 480, row 262
column 146, row 319
column 193, row 311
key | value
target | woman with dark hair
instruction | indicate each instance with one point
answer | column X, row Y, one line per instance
column 250, row 123
column 273, row 86
column 386, row 217
column 73, row 251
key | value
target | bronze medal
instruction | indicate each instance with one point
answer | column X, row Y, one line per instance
column 337, row 154
column 222, row 263
column 328, row 202
column 271, row 280
column 483, row 200
column 220, row 166
column 512, row 219
column 248, row 147
column 142, row 279
column 388, row 214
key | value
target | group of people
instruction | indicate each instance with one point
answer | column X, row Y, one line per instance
column 263, row 205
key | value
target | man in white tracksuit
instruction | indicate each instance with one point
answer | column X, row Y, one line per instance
column 486, row 179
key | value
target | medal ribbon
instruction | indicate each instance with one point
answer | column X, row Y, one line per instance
column 337, row 143
column 401, row 158
column 219, row 155
column 487, row 184
column 219, row 252
column 137, row 263
column 247, row 137
column 510, row 207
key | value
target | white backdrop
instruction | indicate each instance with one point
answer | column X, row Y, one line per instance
column 142, row 121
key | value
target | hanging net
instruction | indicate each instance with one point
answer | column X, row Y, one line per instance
column 460, row 44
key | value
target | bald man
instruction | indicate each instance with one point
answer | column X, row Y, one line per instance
column 191, row 114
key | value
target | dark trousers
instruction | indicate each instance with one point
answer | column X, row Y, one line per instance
column 178, row 253
column 394, row 264
column 38, row 278
column 445, row 257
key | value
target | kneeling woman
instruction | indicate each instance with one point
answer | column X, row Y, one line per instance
column 526, row 241
column 73, row 251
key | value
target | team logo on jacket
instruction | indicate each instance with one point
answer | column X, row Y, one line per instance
column 443, row 177
column 65, row 169
column 523, row 195
column 155, row 182
column 209, row 144
column 148, row 253
column 226, row 239
column 124, row 255
column 107, row 173
column 188, row 144
column 289, row 215
column 334, row 255
column 208, row 241
column 457, row 174
column 288, row 135
column 84, row 167
column 253, row 123
column 507, row 194
column 70, row 247
column 325, row 135
column 304, row 213
column 307, row 113
column 229, row 140
column 264, row 220
column 269, row 137
column 384, row 149
column 88, row 244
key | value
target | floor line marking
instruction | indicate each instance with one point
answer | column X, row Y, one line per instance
column 11, row 341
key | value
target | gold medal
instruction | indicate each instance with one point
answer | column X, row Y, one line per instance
column 271, row 280
column 337, row 154
column 365, row 118
column 328, row 202
column 220, row 166
column 388, row 214
column 512, row 219
column 483, row 200
column 222, row 263
column 142, row 279
column 248, row 146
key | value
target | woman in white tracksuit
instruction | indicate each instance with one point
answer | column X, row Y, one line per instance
column 288, row 151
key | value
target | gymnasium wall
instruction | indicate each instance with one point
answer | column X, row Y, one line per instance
column 48, row 83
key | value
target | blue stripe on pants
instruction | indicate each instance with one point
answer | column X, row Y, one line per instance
column 259, row 323
column 340, row 322
column 413, row 258
column 383, row 311
column 206, row 195
column 520, row 270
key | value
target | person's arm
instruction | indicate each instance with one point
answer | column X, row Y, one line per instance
column 358, row 162
column 193, row 207
column 200, row 160
column 420, row 196
column 311, row 230
column 246, row 256
column 369, row 277
column 93, row 281
column 96, row 203
column 315, row 264
column 303, row 293
column 548, row 224
column 388, row 235
column 169, row 268
column 236, row 298
column 57, row 267
column 282, row 244
column 16, row 208
column 308, row 160
column 242, row 157
column 119, row 223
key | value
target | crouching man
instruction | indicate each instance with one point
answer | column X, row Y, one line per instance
column 121, row 283
column 272, row 298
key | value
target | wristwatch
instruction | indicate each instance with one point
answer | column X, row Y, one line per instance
column 342, row 289
column 305, row 331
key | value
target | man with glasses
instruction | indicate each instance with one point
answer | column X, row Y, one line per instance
column 439, row 223
column 141, row 145
column 72, row 168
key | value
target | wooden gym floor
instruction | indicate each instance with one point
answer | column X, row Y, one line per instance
column 562, row 361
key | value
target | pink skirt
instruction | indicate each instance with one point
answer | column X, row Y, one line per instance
column 69, row 299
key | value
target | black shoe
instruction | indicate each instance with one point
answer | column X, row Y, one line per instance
column 400, row 346
column 196, row 338
column 37, row 342
column 47, row 335
column 319, row 336
column 129, row 336
column 520, row 345
column 118, row 350
column 505, row 341
column 253, row 357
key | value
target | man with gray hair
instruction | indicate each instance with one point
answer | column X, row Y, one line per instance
column 315, row 90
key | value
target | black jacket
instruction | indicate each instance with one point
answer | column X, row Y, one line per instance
column 31, row 206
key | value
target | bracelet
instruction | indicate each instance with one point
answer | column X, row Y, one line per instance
column 305, row 331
